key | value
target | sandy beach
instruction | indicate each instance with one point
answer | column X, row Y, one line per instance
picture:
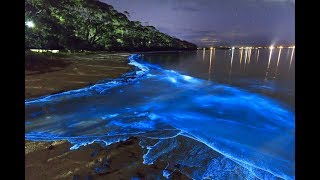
column 53, row 73
column 50, row 74
column 123, row 160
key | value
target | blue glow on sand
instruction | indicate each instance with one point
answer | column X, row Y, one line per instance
column 211, row 130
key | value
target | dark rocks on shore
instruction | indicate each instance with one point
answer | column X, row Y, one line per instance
column 122, row 160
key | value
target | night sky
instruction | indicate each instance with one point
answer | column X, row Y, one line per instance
column 217, row 22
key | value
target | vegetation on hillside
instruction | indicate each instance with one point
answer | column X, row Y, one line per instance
column 91, row 25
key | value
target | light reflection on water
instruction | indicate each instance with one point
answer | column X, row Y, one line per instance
column 204, row 53
column 278, row 60
column 292, row 52
column 271, row 75
column 231, row 62
column 210, row 60
column 241, row 51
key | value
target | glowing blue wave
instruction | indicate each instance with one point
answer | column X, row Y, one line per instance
column 210, row 130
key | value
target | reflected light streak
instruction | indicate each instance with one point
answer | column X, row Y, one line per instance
column 271, row 49
column 204, row 53
column 249, row 53
column 231, row 62
column 241, row 51
column 232, row 57
column 279, row 55
column 288, row 52
column 291, row 57
column 210, row 57
column 211, row 61
column 258, row 56
column 245, row 58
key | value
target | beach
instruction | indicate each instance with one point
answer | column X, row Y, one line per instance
column 53, row 73
column 122, row 160
column 50, row 74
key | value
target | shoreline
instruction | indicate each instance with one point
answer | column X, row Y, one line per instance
column 138, row 148
column 55, row 160
column 48, row 74
column 121, row 160
column 65, row 72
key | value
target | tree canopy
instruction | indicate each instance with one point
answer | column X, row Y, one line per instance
column 91, row 25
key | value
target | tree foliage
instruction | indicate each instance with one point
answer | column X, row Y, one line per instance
column 91, row 25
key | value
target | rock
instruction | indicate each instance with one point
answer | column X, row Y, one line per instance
column 50, row 147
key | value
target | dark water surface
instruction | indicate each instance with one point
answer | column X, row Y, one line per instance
column 259, row 70
column 190, row 109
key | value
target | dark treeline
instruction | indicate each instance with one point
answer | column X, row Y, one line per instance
column 91, row 25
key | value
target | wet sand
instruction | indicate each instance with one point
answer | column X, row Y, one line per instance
column 50, row 74
column 123, row 160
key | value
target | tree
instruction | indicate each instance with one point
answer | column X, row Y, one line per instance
column 127, row 13
column 90, row 25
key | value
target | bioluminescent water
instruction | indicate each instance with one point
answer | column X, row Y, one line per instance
column 212, row 130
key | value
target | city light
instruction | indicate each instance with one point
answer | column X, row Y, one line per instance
column 54, row 51
column 30, row 24
column 44, row 50
column 257, row 47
